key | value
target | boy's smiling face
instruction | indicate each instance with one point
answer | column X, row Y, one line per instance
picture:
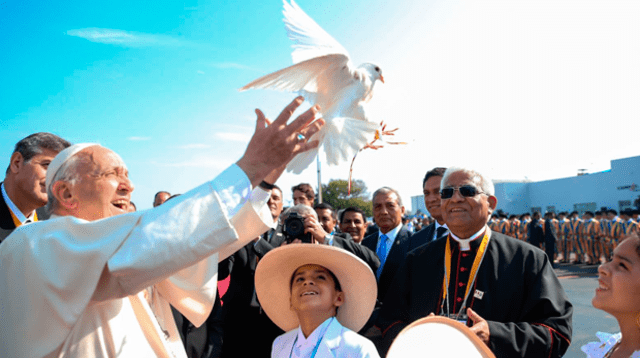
column 313, row 290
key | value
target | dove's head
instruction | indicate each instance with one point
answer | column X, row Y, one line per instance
column 375, row 72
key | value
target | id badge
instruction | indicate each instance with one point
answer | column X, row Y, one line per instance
column 462, row 318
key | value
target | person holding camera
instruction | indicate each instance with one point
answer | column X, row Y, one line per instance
column 301, row 225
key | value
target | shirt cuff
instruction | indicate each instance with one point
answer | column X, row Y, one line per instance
column 233, row 188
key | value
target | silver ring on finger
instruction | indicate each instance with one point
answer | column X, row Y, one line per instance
column 301, row 137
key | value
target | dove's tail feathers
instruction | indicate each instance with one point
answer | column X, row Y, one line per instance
column 341, row 139
column 344, row 137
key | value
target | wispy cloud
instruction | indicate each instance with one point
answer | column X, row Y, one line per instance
column 194, row 146
column 126, row 38
column 200, row 72
column 139, row 138
column 234, row 137
column 196, row 163
column 232, row 65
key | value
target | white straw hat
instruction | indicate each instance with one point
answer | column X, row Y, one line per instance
column 273, row 278
column 436, row 336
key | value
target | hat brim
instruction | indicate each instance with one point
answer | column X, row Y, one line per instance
column 439, row 337
column 273, row 277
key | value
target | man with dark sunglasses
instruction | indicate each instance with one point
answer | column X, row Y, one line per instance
column 503, row 288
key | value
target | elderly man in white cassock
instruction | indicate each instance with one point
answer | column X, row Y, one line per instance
column 93, row 283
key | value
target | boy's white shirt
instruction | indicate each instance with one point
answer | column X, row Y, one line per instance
column 338, row 341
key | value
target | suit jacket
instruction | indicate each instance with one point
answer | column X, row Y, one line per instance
column 536, row 234
column 425, row 235
column 344, row 241
column 338, row 341
column 6, row 221
column 242, row 314
column 204, row 341
column 522, row 300
column 401, row 246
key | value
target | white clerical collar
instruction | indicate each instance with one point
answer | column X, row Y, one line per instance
column 392, row 233
column 14, row 209
column 465, row 243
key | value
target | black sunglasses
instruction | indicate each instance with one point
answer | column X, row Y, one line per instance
column 467, row 191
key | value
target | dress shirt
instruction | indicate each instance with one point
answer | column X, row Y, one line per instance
column 328, row 240
column 435, row 232
column 14, row 209
column 304, row 346
column 391, row 238
column 71, row 280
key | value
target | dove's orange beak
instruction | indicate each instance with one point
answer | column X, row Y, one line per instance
column 381, row 79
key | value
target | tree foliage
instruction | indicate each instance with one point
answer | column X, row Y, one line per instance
column 335, row 194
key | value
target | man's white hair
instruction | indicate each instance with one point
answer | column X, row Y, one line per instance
column 386, row 190
column 484, row 182
column 301, row 210
column 68, row 173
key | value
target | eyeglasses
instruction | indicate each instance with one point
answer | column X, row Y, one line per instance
column 468, row 191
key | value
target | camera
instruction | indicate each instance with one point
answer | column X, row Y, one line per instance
column 294, row 229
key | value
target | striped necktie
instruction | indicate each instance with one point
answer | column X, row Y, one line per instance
column 382, row 253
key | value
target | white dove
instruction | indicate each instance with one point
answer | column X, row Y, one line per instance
column 324, row 75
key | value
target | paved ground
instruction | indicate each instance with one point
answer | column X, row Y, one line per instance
column 580, row 282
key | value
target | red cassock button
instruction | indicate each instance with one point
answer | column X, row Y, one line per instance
column 465, row 254
column 463, row 269
column 461, row 284
column 459, row 299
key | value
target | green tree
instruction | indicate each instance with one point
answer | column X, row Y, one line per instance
column 336, row 194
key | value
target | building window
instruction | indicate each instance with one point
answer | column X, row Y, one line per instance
column 624, row 204
column 582, row 207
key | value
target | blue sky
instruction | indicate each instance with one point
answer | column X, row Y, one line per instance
column 519, row 89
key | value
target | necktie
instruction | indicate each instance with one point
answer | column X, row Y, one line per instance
column 441, row 231
column 382, row 253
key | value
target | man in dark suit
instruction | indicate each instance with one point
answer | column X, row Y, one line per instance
column 503, row 289
column 393, row 241
column 325, row 233
column 536, row 233
column 23, row 189
column 241, row 312
column 431, row 191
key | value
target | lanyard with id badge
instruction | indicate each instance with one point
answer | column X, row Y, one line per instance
column 461, row 316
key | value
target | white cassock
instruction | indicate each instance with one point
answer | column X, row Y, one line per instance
column 72, row 288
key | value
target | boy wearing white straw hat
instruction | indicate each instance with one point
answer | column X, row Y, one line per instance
column 321, row 295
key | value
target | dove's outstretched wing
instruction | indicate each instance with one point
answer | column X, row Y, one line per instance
column 317, row 79
column 309, row 39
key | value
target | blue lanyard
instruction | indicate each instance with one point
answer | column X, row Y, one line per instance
column 315, row 349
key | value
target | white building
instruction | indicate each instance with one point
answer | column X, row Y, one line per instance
column 616, row 188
